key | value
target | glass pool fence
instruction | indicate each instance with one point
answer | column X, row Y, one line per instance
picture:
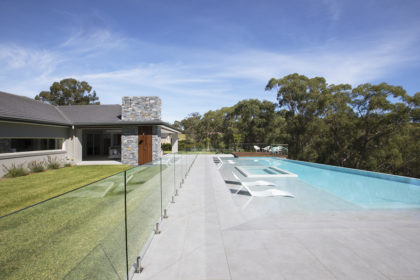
column 98, row 231
column 268, row 149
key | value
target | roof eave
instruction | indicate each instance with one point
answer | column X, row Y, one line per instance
column 23, row 120
column 128, row 123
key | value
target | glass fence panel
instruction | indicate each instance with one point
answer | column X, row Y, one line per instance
column 178, row 170
column 143, row 206
column 167, row 180
column 79, row 235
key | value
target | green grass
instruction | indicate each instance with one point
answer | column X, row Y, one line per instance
column 20, row 192
column 80, row 235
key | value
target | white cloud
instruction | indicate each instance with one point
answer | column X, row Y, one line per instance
column 193, row 80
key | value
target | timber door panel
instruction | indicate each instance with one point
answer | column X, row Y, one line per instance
column 145, row 144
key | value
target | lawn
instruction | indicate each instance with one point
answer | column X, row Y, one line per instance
column 81, row 234
column 20, row 192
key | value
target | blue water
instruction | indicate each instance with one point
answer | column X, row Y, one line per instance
column 364, row 188
column 262, row 171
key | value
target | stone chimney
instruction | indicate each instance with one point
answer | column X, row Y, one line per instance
column 141, row 108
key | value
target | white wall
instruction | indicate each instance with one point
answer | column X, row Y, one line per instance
column 26, row 130
column 174, row 141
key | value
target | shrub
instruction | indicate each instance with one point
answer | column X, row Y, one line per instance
column 14, row 171
column 67, row 165
column 166, row 147
column 53, row 163
column 36, row 166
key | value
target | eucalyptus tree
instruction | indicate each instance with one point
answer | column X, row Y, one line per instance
column 337, row 132
column 254, row 120
column 304, row 100
column 191, row 127
column 382, row 113
column 69, row 92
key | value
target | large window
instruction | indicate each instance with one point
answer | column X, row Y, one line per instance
column 13, row 145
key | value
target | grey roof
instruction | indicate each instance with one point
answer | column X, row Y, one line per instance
column 24, row 109
column 85, row 114
column 21, row 108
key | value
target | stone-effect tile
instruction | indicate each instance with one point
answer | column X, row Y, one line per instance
column 212, row 234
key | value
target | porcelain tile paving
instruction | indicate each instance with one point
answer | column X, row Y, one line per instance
column 214, row 234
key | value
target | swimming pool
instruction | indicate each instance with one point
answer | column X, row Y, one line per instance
column 363, row 188
column 263, row 171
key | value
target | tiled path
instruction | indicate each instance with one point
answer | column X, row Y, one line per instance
column 211, row 235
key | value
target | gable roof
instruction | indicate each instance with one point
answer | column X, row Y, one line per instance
column 24, row 109
column 91, row 114
column 21, row 108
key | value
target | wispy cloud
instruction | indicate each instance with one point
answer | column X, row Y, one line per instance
column 16, row 57
column 194, row 79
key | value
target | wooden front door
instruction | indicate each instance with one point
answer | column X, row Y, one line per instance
column 145, row 144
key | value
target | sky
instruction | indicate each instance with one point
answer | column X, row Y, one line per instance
column 203, row 55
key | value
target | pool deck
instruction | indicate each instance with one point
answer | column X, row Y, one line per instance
column 212, row 233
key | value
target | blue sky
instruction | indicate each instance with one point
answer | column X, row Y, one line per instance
column 203, row 55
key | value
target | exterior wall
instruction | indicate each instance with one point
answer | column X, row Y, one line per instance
column 23, row 130
column 156, row 143
column 166, row 138
column 139, row 108
column 73, row 145
column 129, row 145
column 174, row 142
column 25, row 158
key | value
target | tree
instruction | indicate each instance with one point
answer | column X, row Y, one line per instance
column 378, row 120
column 304, row 100
column 69, row 92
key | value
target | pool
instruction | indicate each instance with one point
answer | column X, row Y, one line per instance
column 263, row 171
column 362, row 188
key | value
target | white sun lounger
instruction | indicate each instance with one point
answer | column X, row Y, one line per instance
column 269, row 192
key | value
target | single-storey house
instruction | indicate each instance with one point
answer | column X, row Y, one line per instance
column 131, row 133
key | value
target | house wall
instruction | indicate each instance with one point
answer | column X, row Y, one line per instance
column 23, row 130
column 156, row 142
column 73, row 145
column 174, row 142
column 129, row 145
column 139, row 108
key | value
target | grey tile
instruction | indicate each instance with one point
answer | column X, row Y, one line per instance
column 292, row 258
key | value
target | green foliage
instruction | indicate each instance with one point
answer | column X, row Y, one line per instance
column 166, row 147
column 36, row 166
column 68, row 165
column 372, row 127
column 69, row 92
column 187, row 145
column 14, row 171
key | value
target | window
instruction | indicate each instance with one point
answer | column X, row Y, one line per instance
column 13, row 145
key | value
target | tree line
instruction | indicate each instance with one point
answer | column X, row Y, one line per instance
column 371, row 126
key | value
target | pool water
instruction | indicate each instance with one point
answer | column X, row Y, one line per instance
column 364, row 188
column 260, row 171
column 263, row 171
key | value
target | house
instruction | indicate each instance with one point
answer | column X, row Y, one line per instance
column 31, row 130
